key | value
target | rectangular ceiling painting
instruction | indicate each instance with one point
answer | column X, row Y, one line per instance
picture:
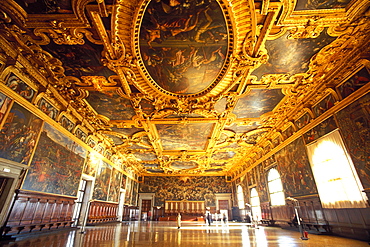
column 192, row 136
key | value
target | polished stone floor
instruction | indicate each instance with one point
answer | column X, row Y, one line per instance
column 166, row 234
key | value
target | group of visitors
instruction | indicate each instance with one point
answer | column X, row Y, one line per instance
column 208, row 219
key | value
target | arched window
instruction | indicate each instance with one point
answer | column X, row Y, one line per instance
column 240, row 196
column 275, row 186
column 336, row 178
column 255, row 203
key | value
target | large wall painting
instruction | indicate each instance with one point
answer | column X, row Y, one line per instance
column 184, row 137
column 183, row 45
column 57, row 164
column 135, row 193
column 354, row 123
column 295, row 170
column 102, row 180
column 128, row 194
column 19, row 135
column 92, row 164
column 257, row 178
column 102, row 103
column 291, row 55
column 257, row 102
column 185, row 188
column 115, row 186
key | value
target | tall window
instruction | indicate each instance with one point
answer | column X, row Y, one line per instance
column 255, row 203
column 240, row 196
column 277, row 196
column 336, row 178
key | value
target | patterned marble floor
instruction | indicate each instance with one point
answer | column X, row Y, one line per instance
column 166, row 234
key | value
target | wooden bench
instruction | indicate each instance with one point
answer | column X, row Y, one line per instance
column 268, row 222
column 318, row 226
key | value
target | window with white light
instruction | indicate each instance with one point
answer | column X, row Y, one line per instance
column 275, row 186
column 240, row 196
column 337, row 181
column 255, row 203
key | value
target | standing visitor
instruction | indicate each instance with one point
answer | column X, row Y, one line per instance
column 209, row 218
column 178, row 220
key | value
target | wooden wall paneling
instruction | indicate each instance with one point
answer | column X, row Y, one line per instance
column 57, row 211
column 64, row 210
column 39, row 213
column 102, row 212
column 69, row 214
column 50, row 205
column 18, row 210
column 309, row 214
column 36, row 210
column 330, row 215
column 29, row 211
column 319, row 213
column 343, row 217
column 356, row 216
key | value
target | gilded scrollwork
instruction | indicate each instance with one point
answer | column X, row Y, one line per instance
column 304, row 32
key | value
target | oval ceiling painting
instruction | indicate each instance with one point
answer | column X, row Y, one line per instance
column 183, row 43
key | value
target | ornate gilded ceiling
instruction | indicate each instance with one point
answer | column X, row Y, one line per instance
column 185, row 87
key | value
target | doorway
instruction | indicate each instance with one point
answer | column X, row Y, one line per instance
column 82, row 204
column 121, row 204
column 146, row 206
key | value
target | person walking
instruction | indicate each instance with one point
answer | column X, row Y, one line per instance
column 209, row 218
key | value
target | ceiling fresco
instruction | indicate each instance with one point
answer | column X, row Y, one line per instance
column 183, row 45
column 257, row 102
column 184, row 137
column 185, row 87
column 291, row 56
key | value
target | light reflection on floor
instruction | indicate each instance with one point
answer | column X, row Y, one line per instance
column 166, row 234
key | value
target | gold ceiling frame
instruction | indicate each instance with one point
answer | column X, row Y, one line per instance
column 310, row 23
column 76, row 20
column 221, row 84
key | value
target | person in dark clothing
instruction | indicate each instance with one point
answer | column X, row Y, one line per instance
column 209, row 219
